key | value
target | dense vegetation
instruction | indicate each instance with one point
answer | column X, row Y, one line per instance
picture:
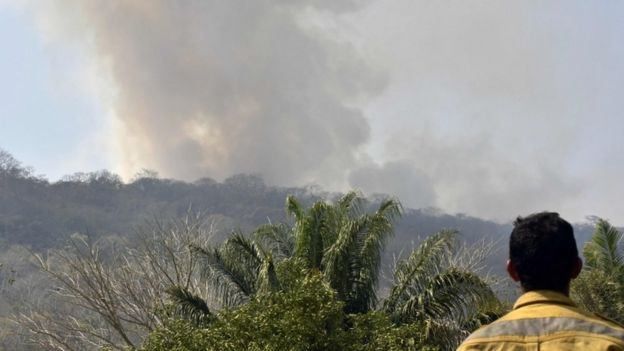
column 600, row 287
column 159, row 264
column 310, row 285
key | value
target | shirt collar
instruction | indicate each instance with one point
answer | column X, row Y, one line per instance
column 542, row 296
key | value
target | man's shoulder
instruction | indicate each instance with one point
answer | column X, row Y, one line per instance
column 614, row 323
column 592, row 317
column 478, row 336
column 535, row 327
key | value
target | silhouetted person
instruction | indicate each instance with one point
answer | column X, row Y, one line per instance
column 543, row 257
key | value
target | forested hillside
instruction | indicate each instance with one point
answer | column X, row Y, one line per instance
column 40, row 214
column 37, row 216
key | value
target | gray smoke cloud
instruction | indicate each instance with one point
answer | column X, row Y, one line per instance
column 489, row 108
column 504, row 108
column 213, row 88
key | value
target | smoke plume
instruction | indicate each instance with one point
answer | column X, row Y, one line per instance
column 489, row 108
column 502, row 108
column 213, row 88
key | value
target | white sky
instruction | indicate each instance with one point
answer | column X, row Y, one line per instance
column 48, row 117
column 490, row 108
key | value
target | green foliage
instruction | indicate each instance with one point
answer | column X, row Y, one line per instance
column 327, row 288
column 598, row 292
column 177, row 335
column 428, row 289
column 374, row 331
column 307, row 317
column 600, row 287
column 189, row 306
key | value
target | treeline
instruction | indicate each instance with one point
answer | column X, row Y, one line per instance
column 39, row 214
column 42, row 214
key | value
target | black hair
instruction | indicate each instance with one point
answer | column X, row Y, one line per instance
column 543, row 251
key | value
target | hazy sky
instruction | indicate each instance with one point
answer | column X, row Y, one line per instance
column 489, row 108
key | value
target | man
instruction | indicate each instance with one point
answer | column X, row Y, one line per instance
column 543, row 257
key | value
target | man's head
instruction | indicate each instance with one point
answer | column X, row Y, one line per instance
column 543, row 253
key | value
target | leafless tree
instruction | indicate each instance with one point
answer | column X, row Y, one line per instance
column 107, row 293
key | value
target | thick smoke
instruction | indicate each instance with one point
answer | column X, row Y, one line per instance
column 213, row 88
column 489, row 108
column 503, row 107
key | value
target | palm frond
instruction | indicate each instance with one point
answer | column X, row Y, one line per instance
column 277, row 238
column 340, row 263
column 189, row 306
column 243, row 251
column 310, row 231
column 380, row 226
column 453, row 295
column 413, row 275
column 350, row 204
column 228, row 285
column 448, row 332
column 603, row 250
column 238, row 268
column 389, row 209
column 267, row 277
column 293, row 208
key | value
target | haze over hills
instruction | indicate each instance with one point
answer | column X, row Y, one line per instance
column 40, row 214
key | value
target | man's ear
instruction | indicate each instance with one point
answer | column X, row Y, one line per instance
column 512, row 271
column 578, row 265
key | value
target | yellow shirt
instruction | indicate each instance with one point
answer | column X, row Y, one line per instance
column 546, row 320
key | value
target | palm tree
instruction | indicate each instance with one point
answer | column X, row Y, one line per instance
column 429, row 289
column 345, row 244
column 340, row 240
